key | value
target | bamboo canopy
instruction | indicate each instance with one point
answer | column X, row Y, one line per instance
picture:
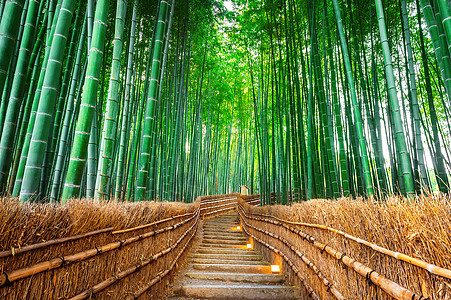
column 164, row 100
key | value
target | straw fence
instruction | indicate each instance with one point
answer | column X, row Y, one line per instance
column 341, row 249
column 349, row 249
column 109, row 250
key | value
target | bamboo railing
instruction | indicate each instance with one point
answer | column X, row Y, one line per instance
column 327, row 283
column 16, row 251
column 11, row 276
column 138, row 259
column 144, row 262
column 433, row 269
column 265, row 226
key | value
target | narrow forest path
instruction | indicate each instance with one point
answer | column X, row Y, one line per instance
column 222, row 267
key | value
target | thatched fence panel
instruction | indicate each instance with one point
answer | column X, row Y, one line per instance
column 333, row 262
column 130, row 257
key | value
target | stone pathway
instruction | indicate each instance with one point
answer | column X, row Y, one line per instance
column 223, row 268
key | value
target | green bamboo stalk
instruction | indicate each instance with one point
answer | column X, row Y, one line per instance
column 64, row 136
column 443, row 62
column 145, row 152
column 394, row 104
column 119, row 192
column 79, row 149
column 9, row 30
column 355, row 105
column 17, row 93
column 38, row 143
column 108, row 139
column 414, row 98
column 310, row 129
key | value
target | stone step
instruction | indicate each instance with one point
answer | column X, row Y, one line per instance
column 238, row 239
column 222, row 231
column 220, row 228
column 222, row 246
column 224, row 221
column 221, row 250
column 235, row 268
column 228, row 216
column 228, row 232
column 235, row 256
column 239, row 291
column 227, row 261
column 217, row 220
column 225, row 235
column 224, row 241
column 237, row 277
column 221, row 222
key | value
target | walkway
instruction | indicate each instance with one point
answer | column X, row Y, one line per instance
column 223, row 268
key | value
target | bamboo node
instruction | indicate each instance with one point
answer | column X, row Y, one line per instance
column 4, row 280
column 98, row 250
column 120, row 244
column 64, row 262
column 329, row 285
column 341, row 260
column 324, row 248
column 370, row 282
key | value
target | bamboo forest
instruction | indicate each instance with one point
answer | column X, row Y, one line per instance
column 170, row 100
column 225, row 149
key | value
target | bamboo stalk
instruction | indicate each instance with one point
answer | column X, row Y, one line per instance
column 36, row 246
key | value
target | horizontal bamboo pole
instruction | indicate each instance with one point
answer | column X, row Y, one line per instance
column 217, row 206
column 11, row 276
column 391, row 288
column 154, row 223
column 216, row 197
column 327, row 283
column 206, row 202
column 252, row 200
column 431, row 268
column 218, row 211
column 15, row 251
column 106, row 283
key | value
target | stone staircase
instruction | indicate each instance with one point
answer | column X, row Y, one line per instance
column 223, row 268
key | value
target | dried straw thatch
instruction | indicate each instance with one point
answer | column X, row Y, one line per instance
column 23, row 224
column 420, row 229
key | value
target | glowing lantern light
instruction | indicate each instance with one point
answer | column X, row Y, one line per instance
column 275, row 268
column 249, row 246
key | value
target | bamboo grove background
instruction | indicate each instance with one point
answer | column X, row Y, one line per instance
column 174, row 99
